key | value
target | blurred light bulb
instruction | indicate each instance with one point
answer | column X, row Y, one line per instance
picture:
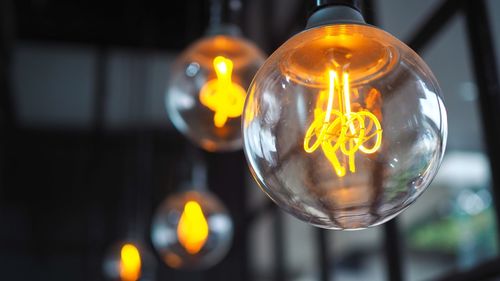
column 123, row 262
column 207, row 88
column 130, row 263
column 191, row 230
column 344, row 126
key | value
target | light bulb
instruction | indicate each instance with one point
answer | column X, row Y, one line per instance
column 123, row 262
column 130, row 263
column 207, row 88
column 344, row 126
column 191, row 230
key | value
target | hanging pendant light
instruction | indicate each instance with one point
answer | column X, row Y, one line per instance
column 207, row 86
column 344, row 125
column 192, row 229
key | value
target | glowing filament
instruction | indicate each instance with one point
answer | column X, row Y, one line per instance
column 342, row 132
column 221, row 95
column 130, row 263
column 193, row 228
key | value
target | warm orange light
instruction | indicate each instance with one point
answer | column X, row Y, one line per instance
column 222, row 95
column 342, row 132
column 130, row 263
column 193, row 228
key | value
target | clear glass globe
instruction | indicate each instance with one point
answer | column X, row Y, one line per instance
column 207, row 88
column 344, row 126
column 192, row 230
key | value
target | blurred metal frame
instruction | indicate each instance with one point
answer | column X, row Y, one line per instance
column 482, row 53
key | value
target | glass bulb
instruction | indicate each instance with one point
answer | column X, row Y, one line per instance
column 344, row 126
column 207, row 89
column 192, row 230
column 123, row 262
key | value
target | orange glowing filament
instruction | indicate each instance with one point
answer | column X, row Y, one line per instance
column 222, row 95
column 342, row 132
column 130, row 263
column 193, row 228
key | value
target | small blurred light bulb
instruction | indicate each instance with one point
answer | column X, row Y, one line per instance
column 207, row 89
column 130, row 263
column 191, row 230
column 123, row 262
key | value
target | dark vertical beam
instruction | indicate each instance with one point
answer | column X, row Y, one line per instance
column 90, row 175
column 269, row 44
column 226, row 178
column 324, row 258
column 433, row 24
column 143, row 180
column 486, row 73
column 7, row 109
column 393, row 256
column 99, row 107
column 7, row 106
column 279, row 246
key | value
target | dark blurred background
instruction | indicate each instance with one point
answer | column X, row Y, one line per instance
column 86, row 146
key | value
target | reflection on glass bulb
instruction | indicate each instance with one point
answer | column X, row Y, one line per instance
column 342, row 129
column 221, row 95
column 130, row 263
column 193, row 228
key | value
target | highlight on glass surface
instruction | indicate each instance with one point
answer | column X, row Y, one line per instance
column 123, row 262
column 207, row 88
column 192, row 230
column 344, row 126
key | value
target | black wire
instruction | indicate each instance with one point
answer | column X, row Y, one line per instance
column 319, row 4
column 225, row 12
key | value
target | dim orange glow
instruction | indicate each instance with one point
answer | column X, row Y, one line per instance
column 222, row 95
column 193, row 228
column 342, row 132
column 130, row 263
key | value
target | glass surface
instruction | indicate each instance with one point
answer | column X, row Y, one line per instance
column 344, row 126
column 207, row 89
column 192, row 230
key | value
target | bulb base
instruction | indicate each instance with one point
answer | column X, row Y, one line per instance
column 335, row 14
